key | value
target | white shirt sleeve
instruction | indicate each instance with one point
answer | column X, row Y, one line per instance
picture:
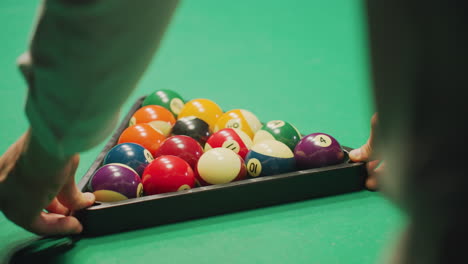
column 84, row 60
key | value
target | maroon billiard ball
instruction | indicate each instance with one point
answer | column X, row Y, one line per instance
column 233, row 139
column 167, row 174
column 318, row 150
column 115, row 182
column 183, row 147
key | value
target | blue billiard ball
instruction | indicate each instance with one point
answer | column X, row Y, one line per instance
column 269, row 157
column 131, row 154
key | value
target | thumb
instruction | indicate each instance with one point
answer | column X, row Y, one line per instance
column 365, row 152
column 361, row 154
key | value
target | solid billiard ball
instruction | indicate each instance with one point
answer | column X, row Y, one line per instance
column 131, row 154
column 233, row 139
column 220, row 165
column 269, row 157
column 143, row 134
column 183, row 147
column 156, row 115
column 204, row 109
column 239, row 119
column 193, row 127
column 318, row 150
column 168, row 99
column 279, row 130
column 167, row 174
column 115, row 182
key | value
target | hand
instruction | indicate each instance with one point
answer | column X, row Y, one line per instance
column 31, row 180
column 366, row 153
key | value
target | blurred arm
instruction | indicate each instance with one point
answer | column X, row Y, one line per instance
column 85, row 59
column 419, row 54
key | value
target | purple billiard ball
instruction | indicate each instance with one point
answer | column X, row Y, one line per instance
column 318, row 150
column 115, row 182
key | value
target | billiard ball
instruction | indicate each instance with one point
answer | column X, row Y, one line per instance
column 131, row 154
column 183, row 147
column 239, row 119
column 220, row 165
column 269, row 157
column 115, row 182
column 167, row 99
column 143, row 134
column 279, row 130
column 204, row 109
column 318, row 150
column 167, row 174
column 193, row 127
column 156, row 115
column 233, row 139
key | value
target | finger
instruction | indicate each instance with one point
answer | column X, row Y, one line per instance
column 379, row 170
column 70, row 196
column 55, row 224
column 56, row 207
column 361, row 154
column 374, row 175
column 365, row 152
column 372, row 165
column 371, row 182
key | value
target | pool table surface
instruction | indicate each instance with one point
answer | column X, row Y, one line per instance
column 305, row 62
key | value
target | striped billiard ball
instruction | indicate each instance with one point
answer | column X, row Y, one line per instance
column 269, row 157
column 115, row 182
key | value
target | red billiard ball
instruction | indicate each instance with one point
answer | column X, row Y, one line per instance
column 183, row 147
column 167, row 174
column 233, row 139
column 220, row 165
column 143, row 134
column 158, row 116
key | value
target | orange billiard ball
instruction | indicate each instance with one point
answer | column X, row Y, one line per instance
column 158, row 116
column 143, row 134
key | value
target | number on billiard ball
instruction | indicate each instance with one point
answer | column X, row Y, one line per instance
column 269, row 157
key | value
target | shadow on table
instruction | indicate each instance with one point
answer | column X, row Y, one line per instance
column 42, row 250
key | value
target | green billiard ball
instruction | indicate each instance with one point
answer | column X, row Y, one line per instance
column 278, row 130
column 168, row 99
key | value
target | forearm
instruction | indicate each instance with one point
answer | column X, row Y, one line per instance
column 86, row 57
